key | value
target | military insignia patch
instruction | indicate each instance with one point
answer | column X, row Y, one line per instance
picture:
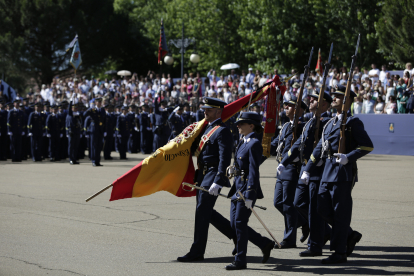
column 391, row 128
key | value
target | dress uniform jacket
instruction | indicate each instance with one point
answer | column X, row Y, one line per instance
column 36, row 127
column 16, row 125
column 98, row 116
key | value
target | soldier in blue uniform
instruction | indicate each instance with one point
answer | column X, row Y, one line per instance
column 63, row 139
column 45, row 139
column 159, row 125
column 88, row 125
column 306, row 197
column 137, row 129
column 145, row 130
column 35, row 129
column 26, row 139
column 116, row 114
column 98, row 117
column 287, row 180
column 246, row 164
column 73, row 132
column 16, row 128
column 132, row 140
column 177, row 121
column 82, row 139
column 213, row 159
column 4, row 139
column 338, row 177
column 110, row 132
column 124, row 129
column 53, row 132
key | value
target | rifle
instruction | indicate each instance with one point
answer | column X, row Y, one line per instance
column 347, row 101
column 299, row 100
column 320, row 98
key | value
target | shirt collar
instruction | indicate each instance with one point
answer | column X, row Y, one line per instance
column 247, row 137
column 214, row 121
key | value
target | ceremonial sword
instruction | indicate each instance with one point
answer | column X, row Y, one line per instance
column 257, row 216
column 204, row 190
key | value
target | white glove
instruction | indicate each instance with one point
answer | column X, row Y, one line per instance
column 104, row 134
column 48, row 135
column 119, row 135
column 10, row 133
column 149, row 129
column 87, row 136
column 305, row 177
column 136, row 129
column 280, row 168
column 61, row 135
column 23, row 133
column 320, row 163
column 30, row 134
column 296, row 159
column 341, row 158
column 248, row 203
column 67, row 136
column 176, row 109
column 214, row 189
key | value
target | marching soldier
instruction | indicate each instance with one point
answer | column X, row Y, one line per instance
column 98, row 115
column 137, row 129
column 53, row 132
column 339, row 176
column 145, row 130
column 88, row 125
column 159, row 125
column 178, row 122
column 63, row 139
column 247, row 160
column 35, row 129
column 16, row 129
column 306, row 197
column 123, row 132
column 287, row 180
column 214, row 156
column 45, row 140
column 3, row 132
column 73, row 132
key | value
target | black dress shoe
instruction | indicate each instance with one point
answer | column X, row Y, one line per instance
column 190, row 258
column 353, row 239
column 266, row 251
column 305, row 233
column 97, row 165
column 236, row 266
column 309, row 253
column 335, row 259
column 74, row 163
column 284, row 245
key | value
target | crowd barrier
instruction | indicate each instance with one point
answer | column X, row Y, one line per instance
column 391, row 134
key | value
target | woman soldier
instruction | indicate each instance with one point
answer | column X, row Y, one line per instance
column 246, row 171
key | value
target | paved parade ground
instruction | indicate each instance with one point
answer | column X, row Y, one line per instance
column 47, row 228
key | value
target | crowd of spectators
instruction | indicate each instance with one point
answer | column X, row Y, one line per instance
column 377, row 90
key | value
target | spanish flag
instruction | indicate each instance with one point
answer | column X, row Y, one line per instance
column 171, row 165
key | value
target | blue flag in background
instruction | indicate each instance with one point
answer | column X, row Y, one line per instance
column 8, row 91
column 76, row 59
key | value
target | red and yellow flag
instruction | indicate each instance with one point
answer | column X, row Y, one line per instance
column 172, row 164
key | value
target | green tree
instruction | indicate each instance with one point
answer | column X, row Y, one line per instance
column 396, row 31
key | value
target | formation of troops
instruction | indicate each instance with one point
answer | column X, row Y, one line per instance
column 66, row 131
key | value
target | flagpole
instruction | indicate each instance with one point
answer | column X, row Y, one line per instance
column 98, row 193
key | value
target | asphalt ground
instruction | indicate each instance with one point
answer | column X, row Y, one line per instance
column 47, row 228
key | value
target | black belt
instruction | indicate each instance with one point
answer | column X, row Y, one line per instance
column 206, row 166
column 240, row 172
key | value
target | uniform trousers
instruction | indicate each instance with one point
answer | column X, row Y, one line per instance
column 4, row 139
column 36, row 143
column 96, row 147
column 16, row 147
column 335, row 207
column 283, row 201
column 306, row 202
column 122, row 146
column 54, row 147
column 73, row 141
column 109, row 141
column 239, row 217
